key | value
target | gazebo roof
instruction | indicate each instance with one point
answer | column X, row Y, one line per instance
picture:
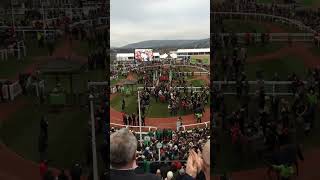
column 129, row 82
column 62, row 66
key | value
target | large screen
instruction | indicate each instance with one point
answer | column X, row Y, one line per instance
column 143, row 54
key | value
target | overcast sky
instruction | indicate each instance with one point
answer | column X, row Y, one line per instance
column 138, row 20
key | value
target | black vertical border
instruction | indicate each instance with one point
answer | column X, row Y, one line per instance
column 108, row 55
column 212, row 138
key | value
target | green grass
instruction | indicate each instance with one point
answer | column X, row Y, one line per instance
column 82, row 48
column 314, row 3
column 204, row 59
column 9, row 68
column 115, row 81
column 315, row 50
column 255, row 50
column 197, row 83
column 79, row 81
column 241, row 26
column 284, row 67
column 67, row 134
column 156, row 109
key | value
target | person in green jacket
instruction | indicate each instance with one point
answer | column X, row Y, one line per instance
column 146, row 166
column 285, row 171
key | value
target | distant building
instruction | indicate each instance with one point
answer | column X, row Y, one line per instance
column 156, row 56
column 184, row 53
column 125, row 57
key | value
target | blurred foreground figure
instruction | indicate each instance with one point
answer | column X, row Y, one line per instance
column 123, row 147
column 198, row 163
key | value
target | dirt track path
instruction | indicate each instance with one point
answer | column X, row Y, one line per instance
column 299, row 50
column 308, row 170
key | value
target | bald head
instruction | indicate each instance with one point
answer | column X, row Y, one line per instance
column 123, row 146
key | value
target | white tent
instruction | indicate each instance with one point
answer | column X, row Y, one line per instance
column 174, row 56
column 164, row 56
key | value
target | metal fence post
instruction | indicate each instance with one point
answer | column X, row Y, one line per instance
column 93, row 134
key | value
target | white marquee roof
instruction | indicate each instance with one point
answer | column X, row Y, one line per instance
column 174, row 56
column 203, row 50
column 163, row 56
column 124, row 55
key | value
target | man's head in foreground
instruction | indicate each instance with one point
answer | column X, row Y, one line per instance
column 123, row 146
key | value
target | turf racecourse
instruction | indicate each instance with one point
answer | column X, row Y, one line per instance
column 20, row 121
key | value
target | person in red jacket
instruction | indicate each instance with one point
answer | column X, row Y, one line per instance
column 43, row 167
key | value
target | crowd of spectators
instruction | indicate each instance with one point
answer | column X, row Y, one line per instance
column 167, row 91
column 179, row 151
column 262, row 123
column 307, row 16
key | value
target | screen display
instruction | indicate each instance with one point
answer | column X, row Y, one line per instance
column 143, row 54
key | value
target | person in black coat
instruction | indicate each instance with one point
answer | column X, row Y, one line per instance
column 48, row 176
column 123, row 147
column 76, row 172
column 44, row 126
column 63, row 176
column 1, row 93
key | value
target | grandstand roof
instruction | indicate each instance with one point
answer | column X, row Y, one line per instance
column 193, row 50
column 121, row 55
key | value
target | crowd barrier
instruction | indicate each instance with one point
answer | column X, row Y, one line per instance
column 194, row 89
column 281, row 88
column 5, row 92
column 15, row 90
column 144, row 129
column 263, row 17
column 4, row 54
column 185, row 65
column 276, row 37
column 197, row 125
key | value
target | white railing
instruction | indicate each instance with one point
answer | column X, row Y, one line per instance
column 4, row 54
column 20, row 49
column 276, row 37
column 5, row 92
column 201, row 125
column 15, row 90
column 160, row 65
column 262, row 17
column 281, row 88
column 135, row 128
column 194, row 89
column 39, row 87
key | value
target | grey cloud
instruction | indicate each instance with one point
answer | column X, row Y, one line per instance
column 138, row 20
